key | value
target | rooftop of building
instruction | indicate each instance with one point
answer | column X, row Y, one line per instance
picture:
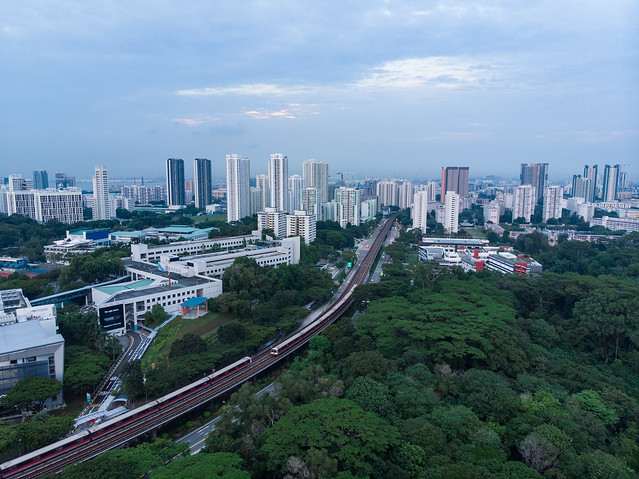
column 85, row 230
column 153, row 270
column 143, row 283
column 455, row 241
column 27, row 334
column 128, row 233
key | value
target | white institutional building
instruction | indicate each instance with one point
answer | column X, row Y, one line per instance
column 43, row 205
column 238, row 173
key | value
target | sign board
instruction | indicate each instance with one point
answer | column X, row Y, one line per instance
column 112, row 317
column 88, row 398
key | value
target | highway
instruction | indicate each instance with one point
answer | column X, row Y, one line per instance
column 119, row 431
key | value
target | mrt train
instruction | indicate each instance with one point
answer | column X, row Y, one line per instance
column 23, row 463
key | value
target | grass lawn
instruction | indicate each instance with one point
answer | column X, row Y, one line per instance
column 412, row 258
column 202, row 219
column 176, row 329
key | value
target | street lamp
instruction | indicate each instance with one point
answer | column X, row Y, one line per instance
column 19, row 446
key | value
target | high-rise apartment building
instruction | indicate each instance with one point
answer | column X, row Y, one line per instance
column 261, row 182
column 272, row 219
column 553, row 202
column 405, row 191
column 535, row 174
column 315, row 174
column 101, row 199
column 492, row 212
column 310, row 201
column 301, row 224
column 524, row 202
column 278, row 181
column 451, row 212
column 175, row 190
column 420, row 210
column 295, row 187
column 455, row 179
column 347, row 200
column 44, row 205
column 238, row 174
column 40, row 180
column 610, row 183
column 202, row 182
column 64, row 181
column 582, row 188
column 591, row 172
column 388, row 193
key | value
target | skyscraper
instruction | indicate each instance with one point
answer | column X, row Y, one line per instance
column 238, row 175
column 610, row 183
column 101, row 198
column 202, row 182
column 454, row 178
column 388, row 193
column 40, row 180
column 553, row 198
column 581, row 187
column 535, row 174
column 451, row 212
column 278, row 181
column 175, row 191
column 316, row 176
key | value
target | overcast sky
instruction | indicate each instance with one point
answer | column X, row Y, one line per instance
column 379, row 88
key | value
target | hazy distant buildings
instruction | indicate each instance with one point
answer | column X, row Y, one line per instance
column 202, row 182
column 553, row 202
column 175, row 190
column 535, row 174
column 451, row 212
column 238, row 174
column 40, row 180
column 581, row 187
column 591, row 172
column 610, row 183
column 278, row 181
column 261, row 182
column 101, row 200
column 388, row 193
column 405, row 191
column 455, row 179
column 63, row 181
column 315, row 174
column 295, row 187
column 348, row 208
column 524, row 206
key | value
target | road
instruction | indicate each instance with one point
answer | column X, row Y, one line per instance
column 197, row 439
column 150, row 417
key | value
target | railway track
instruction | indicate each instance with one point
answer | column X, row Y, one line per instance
column 140, row 421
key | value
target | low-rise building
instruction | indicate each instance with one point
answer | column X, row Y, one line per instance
column 77, row 242
column 29, row 342
column 152, row 254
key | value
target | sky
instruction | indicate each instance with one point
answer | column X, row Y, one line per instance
column 377, row 88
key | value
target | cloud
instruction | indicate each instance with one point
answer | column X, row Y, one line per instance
column 194, row 121
column 253, row 89
column 604, row 136
column 437, row 72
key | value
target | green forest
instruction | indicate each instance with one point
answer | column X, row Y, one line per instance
column 443, row 374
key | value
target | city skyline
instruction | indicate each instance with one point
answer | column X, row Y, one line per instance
column 399, row 88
